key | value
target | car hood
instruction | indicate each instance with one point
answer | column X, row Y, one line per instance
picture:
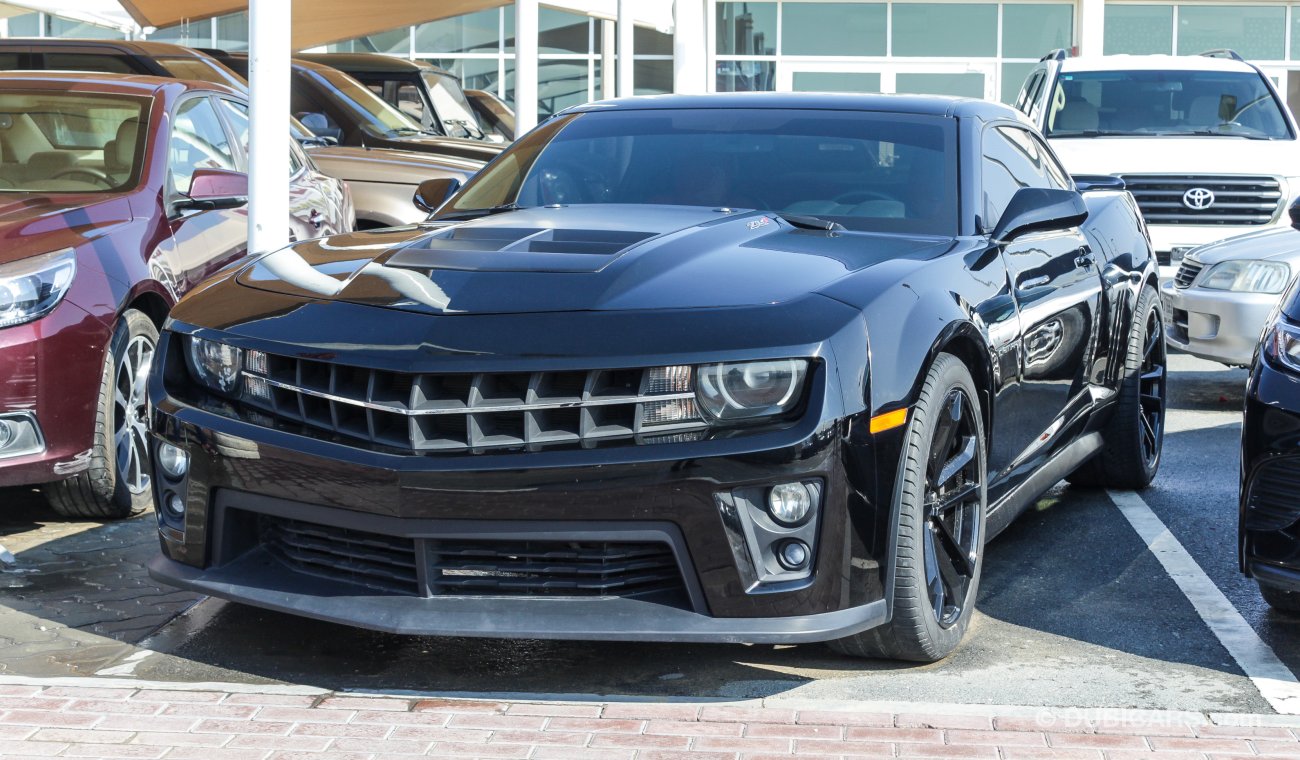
column 1177, row 155
column 35, row 223
column 1282, row 243
column 450, row 146
column 401, row 167
column 581, row 258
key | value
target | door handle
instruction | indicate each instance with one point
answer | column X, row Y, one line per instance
column 1034, row 282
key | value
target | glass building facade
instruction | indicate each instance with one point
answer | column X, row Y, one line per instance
column 981, row 48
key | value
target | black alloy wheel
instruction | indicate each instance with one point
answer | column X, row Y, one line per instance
column 953, row 508
column 1151, row 388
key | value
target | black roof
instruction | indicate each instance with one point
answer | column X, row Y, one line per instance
column 926, row 105
column 145, row 48
column 370, row 62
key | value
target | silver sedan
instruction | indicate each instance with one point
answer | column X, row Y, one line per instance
column 1217, row 304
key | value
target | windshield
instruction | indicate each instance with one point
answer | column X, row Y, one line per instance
column 451, row 105
column 370, row 110
column 1148, row 103
column 868, row 171
column 71, row 143
column 203, row 70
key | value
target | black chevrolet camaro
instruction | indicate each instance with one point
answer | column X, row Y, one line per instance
column 1269, row 528
column 742, row 368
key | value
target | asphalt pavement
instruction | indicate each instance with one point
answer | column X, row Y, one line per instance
column 1075, row 611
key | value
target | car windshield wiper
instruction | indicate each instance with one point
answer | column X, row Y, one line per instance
column 1096, row 133
column 803, row 221
column 474, row 213
column 1210, row 133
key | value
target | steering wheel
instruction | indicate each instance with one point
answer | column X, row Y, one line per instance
column 861, row 196
column 96, row 176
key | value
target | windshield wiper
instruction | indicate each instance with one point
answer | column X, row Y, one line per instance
column 1210, row 133
column 1095, row 133
column 806, row 222
column 474, row 213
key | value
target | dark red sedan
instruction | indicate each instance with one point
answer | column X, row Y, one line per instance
column 118, row 194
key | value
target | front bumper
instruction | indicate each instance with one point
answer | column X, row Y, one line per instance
column 1269, row 522
column 1218, row 325
column 254, row 489
column 50, row 374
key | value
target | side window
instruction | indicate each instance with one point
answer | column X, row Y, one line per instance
column 198, row 141
column 236, row 114
column 112, row 64
column 11, row 61
column 1029, row 93
column 1014, row 158
column 237, row 117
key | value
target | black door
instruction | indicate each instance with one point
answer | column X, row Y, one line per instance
column 1056, row 287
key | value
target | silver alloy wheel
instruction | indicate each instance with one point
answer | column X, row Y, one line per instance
column 131, row 414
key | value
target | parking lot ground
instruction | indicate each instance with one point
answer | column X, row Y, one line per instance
column 1075, row 613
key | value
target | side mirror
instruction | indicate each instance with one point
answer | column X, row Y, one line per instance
column 1087, row 183
column 1037, row 208
column 1294, row 212
column 432, row 193
column 215, row 188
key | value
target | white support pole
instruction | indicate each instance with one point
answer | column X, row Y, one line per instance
column 1092, row 26
column 608, row 63
column 626, row 30
column 269, row 22
column 526, row 52
column 690, row 48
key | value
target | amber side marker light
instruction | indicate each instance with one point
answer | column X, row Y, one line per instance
column 888, row 421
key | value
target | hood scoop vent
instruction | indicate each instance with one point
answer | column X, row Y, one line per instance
column 517, row 249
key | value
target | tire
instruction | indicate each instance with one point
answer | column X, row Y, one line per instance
column 946, row 430
column 116, row 485
column 1134, row 435
column 1284, row 601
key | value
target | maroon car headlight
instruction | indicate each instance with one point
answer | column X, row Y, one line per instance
column 749, row 390
column 215, row 365
column 31, row 288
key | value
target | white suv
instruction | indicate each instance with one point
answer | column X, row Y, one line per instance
column 1204, row 143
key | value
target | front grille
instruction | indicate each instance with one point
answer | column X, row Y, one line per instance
column 1187, row 272
column 1238, row 200
column 474, row 567
column 1274, row 496
column 447, row 413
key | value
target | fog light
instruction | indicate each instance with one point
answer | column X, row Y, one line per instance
column 793, row 555
column 174, row 461
column 174, row 504
column 8, row 432
column 789, row 502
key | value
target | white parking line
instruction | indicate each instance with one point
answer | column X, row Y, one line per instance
column 1276, row 682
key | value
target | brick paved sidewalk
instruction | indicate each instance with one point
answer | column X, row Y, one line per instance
column 75, row 721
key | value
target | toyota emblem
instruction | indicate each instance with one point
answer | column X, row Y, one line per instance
column 1198, row 198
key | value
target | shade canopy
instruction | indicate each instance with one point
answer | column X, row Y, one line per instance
column 315, row 22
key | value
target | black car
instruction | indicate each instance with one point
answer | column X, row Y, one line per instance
column 750, row 367
column 1268, row 541
column 334, row 105
column 428, row 94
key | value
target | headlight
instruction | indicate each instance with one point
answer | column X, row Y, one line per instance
column 31, row 288
column 1283, row 344
column 216, row 365
column 745, row 390
column 1244, row 276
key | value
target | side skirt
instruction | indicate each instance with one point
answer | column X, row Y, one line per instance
column 1064, row 462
